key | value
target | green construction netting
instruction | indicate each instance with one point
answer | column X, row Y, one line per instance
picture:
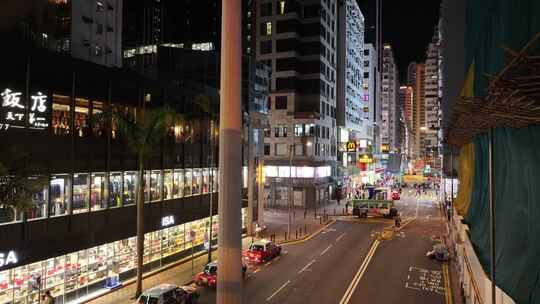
column 492, row 24
column 517, row 210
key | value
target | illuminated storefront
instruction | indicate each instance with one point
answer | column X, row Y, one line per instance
column 84, row 272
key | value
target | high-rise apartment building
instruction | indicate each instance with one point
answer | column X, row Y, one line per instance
column 298, row 40
column 406, row 103
column 350, row 117
column 86, row 29
column 432, row 105
column 389, row 101
column 419, row 108
column 372, row 104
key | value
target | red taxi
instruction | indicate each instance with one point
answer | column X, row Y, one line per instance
column 262, row 251
column 208, row 277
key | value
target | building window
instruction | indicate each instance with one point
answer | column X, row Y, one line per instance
column 60, row 115
column 266, row 149
column 282, row 7
column 99, row 29
column 97, row 192
column 60, row 194
column 266, row 47
column 116, row 191
column 130, row 187
column 281, row 149
column 268, row 28
column 366, row 74
column 266, row 132
column 178, row 187
column 281, row 102
column 299, row 130
column 266, row 9
column 187, row 182
column 99, row 6
column 366, row 52
column 98, row 51
column 80, row 193
column 168, row 184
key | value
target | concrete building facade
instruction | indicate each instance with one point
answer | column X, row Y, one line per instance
column 298, row 40
column 350, row 117
column 432, row 100
column 389, row 100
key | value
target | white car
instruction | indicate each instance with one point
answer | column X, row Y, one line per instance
column 169, row 294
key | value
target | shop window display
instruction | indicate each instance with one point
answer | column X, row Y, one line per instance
column 81, row 117
column 215, row 177
column 130, row 187
column 196, row 182
column 60, row 194
column 75, row 274
column 98, row 125
column 39, row 204
column 60, row 121
column 155, row 185
column 167, row 184
column 80, row 192
column 178, row 188
column 205, row 181
column 115, row 189
column 187, row 182
column 97, row 191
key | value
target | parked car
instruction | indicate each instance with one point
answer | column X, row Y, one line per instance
column 208, row 277
column 169, row 294
column 262, row 251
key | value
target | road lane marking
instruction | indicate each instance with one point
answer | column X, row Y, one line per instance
column 341, row 236
column 327, row 248
column 354, row 283
column 277, row 291
column 306, row 267
column 257, row 270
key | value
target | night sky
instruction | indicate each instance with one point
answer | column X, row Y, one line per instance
column 407, row 25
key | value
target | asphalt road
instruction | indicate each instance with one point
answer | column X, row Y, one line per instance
column 316, row 271
column 347, row 264
column 399, row 271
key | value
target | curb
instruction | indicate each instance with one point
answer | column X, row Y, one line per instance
column 309, row 236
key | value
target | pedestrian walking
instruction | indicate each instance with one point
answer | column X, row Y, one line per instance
column 48, row 298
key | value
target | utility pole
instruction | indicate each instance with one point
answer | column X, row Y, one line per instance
column 291, row 193
column 211, row 186
column 229, row 282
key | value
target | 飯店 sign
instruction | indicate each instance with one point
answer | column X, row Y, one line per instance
column 351, row 146
column 8, row 258
column 167, row 220
column 14, row 113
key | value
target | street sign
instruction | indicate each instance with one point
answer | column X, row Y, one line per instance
column 351, row 146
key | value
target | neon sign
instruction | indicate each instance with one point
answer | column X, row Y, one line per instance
column 13, row 111
column 167, row 221
column 9, row 258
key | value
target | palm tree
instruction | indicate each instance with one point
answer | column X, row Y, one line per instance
column 143, row 133
column 16, row 186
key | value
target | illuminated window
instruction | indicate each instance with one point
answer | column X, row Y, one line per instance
column 282, row 7
column 268, row 28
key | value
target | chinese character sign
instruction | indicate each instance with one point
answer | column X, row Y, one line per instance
column 13, row 112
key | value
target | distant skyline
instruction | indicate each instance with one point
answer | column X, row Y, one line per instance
column 407, row 25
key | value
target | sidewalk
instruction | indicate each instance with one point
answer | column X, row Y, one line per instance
column 182, row 273
column 303, row 221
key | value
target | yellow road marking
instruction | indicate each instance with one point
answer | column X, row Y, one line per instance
column 447, row 285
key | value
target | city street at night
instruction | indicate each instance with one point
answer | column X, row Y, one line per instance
column 269, row 151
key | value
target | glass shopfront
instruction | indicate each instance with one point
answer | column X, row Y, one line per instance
column 84, row 192
column 78, row 274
